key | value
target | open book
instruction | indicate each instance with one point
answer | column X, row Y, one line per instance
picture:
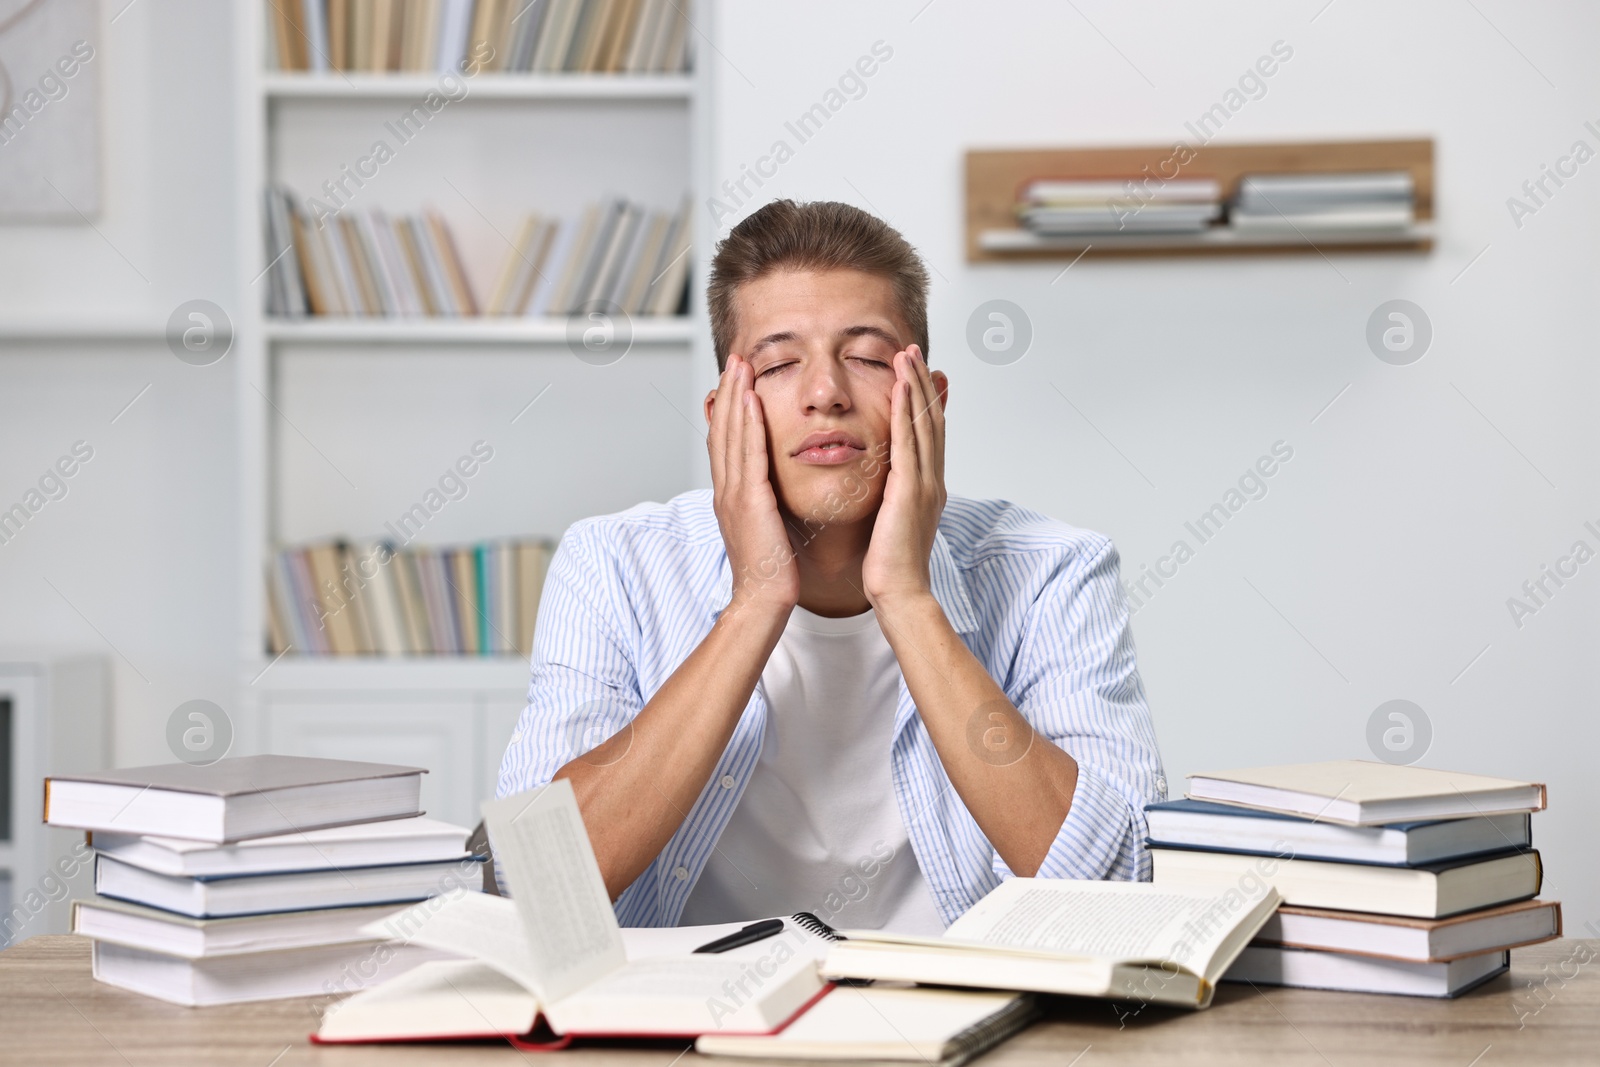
column 554, row 950
column 1128, row 940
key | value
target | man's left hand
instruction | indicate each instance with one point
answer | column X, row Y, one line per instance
column 896, row 565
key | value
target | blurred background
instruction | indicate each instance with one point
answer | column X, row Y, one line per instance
column 208, row 396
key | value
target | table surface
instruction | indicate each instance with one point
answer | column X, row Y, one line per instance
column 1545, row 1012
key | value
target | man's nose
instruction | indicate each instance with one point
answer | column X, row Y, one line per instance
column 825, row 387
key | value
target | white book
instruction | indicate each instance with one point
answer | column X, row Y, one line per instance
column 253, row 976
column 643, row 267
column 214, row 896
column 1365, row 792
column 541, row 299
column 1430, row 892
column 554, row 950
column 383, row 276
column 533, row 268
column 1307, row 969
column 1374, row 217
column 556, row 39
column 154, row 930
column 1281, row 189
column 624, row 237
column 1098, row 939
column 651, row 13
column 407, row 299
column 923, row 1025
column 666, row 287
column 235, row 798
column 455, row 25
column 675, row 48
column 1135, row 190
column 372, row 844
column 1418, row 940
column 315, row 18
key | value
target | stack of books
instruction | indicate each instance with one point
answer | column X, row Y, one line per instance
column 1380, row 201
column 333, row 598
column 253, row 878
column 1053, row 208
column 594, row 36
column 1394, row 879
column 614, row 256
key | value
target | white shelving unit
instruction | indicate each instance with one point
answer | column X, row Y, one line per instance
column 570, row 139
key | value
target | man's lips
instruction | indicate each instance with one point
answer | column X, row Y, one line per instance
column 829, row 447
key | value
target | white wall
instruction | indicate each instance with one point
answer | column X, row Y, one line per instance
column 142, row 547
column 1389, row 544
column 1379, row 563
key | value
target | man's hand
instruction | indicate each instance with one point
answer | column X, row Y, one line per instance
column 762, row 559
column 896, row 565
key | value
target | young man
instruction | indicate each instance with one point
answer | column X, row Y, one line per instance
column 823, row 684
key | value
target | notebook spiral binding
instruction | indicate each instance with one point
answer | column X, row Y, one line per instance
column 810, row 923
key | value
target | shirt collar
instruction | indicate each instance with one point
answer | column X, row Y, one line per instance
column 949, row 588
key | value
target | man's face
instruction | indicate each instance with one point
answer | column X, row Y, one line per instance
column 822, row 345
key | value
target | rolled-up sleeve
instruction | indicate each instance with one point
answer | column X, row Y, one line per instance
column 1077, row 683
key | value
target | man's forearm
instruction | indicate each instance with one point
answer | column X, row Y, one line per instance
column 635, row 789
column 1017, row 784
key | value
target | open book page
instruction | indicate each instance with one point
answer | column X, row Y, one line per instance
column 1104, row 921
column 1110, row 920
column 439, row 999
column 694, row 994
column 469, row 924
column 569, row 927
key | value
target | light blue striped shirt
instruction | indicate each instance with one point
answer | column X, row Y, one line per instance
column 629, row 596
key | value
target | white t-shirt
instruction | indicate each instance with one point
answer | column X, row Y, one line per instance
column 818, row 828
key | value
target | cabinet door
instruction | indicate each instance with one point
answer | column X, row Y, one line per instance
column 439, row 736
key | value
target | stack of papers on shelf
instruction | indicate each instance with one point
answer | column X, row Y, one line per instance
column 1394, row 879
column 208, row 892
column 1309, row 203
column 1074, row 207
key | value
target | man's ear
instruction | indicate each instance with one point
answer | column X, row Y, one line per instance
column 941, row 382
column 711, row 400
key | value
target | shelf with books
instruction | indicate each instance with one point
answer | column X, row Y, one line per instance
column 484, row 330
column 486, row 86
column 1240, row 199
column 532, row 145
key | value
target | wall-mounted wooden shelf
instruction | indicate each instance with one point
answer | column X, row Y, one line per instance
column 993, row 178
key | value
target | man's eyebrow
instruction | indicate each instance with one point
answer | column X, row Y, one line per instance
column 868, row 330
column 769, row 340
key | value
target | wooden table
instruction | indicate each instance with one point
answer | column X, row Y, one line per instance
column 52, row 1012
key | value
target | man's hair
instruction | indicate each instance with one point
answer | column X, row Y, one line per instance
column 819, row 235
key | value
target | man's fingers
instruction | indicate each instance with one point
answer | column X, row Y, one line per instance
column 926, row 399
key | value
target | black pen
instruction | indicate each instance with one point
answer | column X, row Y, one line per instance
column 749, row 935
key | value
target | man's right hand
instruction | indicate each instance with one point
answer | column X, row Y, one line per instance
column 765, row 573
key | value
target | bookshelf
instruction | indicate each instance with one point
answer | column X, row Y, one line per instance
column 515, row 143
column 994, row 176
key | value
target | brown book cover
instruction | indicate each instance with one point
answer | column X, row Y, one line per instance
column 332, row 599
column 455, row 273
column 339, row 34
column 414, row 263
column 463, row 578
column 533, row 559
column 293, row 46
column 366, row 285
column 310, row 267
column 619, row 34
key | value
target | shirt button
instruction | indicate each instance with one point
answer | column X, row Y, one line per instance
column 727, row 781
column 681, row 874
column 1161, row 784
